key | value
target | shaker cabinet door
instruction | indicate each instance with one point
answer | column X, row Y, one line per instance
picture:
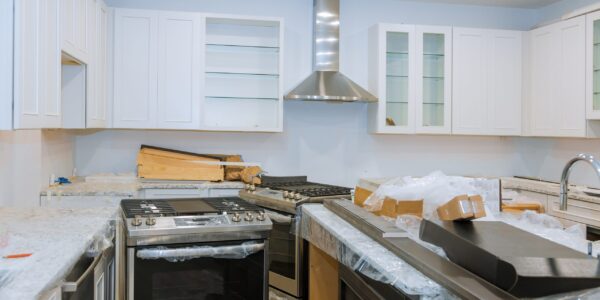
column 179, row 70
column 486, row 82
column 557, row 97
column 96, row 102
column 135, row 69
column 37, row 92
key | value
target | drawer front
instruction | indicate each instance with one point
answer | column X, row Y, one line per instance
column 223, row 192
column 174, row 193
column 577, row 211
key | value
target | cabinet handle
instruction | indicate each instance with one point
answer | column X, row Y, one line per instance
column 70, row 287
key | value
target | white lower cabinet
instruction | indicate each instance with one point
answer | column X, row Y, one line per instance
column 557, row 96
column 487, row 82
column 6, row 60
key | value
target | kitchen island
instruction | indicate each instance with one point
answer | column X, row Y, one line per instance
column 352, row 248
column 56, row 239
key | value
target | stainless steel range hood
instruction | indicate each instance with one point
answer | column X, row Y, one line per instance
column 326, row 83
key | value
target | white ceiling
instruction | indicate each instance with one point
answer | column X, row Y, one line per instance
column 506, row 3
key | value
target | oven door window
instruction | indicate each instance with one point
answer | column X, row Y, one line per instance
column 200, row 278
column 282, row 249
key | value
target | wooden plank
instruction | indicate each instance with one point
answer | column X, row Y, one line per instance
column 323, row 283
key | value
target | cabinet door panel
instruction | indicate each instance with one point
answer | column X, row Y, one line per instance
column 571, row 85
column 504, row 83
column 37, row 65
column 179, row 69
column 433, row 79
column 469, row 93
column 6, row 60
column 543, row 81
column 135, row 71
column 96, row 103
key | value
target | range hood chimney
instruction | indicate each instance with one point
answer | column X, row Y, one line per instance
column 326, row 83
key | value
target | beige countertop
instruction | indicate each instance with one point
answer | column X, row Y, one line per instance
column 57, row 238
column 131, row 189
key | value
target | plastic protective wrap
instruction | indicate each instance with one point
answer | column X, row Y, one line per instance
column 183, row 254
column 592, row 294
column 277, row 217
column 336, row 237
column 435, row 189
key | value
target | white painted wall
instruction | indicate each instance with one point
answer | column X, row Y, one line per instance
column 329, row 142
column 27, row 158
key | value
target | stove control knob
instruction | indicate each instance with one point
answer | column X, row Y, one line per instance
column 151, row 221
column 136, row 222
column 236, row 217
column 247, row 186
column 249, row 217
column 291, row 195
column 252, row 187
column 298, row 197
column 261, row 216
column 285, row 194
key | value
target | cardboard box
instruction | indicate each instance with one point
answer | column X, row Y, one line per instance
column 393, row 208
column 459, row 208
column 361, row 195
column 462, row 208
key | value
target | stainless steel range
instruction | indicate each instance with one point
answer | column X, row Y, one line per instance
column 281, row 196
column 204, row 248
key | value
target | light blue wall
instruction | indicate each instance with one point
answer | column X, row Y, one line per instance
column 556, row 10
column 330, row 142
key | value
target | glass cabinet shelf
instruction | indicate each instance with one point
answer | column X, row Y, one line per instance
column 251, row 98
column 275, row 49
column 241, row 73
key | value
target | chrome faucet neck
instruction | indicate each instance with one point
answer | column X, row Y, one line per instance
column 564, row 179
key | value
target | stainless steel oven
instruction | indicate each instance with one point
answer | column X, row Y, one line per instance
column 204, row 248
column 197, row 271
column 287, row 260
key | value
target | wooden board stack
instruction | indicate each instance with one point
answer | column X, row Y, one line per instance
column 167, row 164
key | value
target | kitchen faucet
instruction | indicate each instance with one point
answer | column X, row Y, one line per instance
column 564, row 179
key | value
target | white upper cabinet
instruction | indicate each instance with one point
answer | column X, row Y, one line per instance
column 6, row 60
column 135, row 69
column 392, row 78
column 487, row 82
column 243, row 74
column 557, row 96
column 96, row 108
column 77, row 21
column 410, row 70
column 179, row 70
column 37, row 65
column 433, row 79
column 593, row 66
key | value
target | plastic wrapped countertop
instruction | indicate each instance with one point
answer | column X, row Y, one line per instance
column 336, row 237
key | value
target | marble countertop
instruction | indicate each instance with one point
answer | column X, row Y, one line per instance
column 57, row 238
column 348, row 245
column 549, row 188
column 131, row 189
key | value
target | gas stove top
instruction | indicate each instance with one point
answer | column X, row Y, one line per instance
column 287, row 193
column 221, row 218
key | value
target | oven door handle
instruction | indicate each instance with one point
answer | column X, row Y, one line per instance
column 71, row 287
column 278, row 218
column 181, row 254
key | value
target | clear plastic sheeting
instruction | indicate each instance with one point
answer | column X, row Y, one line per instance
column 593, row 294
column 336, row 237
column 278, row 217
column 551, row 228
column 183, row 254
column 435, row 189
column 412, row 225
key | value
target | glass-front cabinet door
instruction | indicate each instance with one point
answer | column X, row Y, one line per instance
column 593, row 66
column 433, row 68
column 392, row 78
